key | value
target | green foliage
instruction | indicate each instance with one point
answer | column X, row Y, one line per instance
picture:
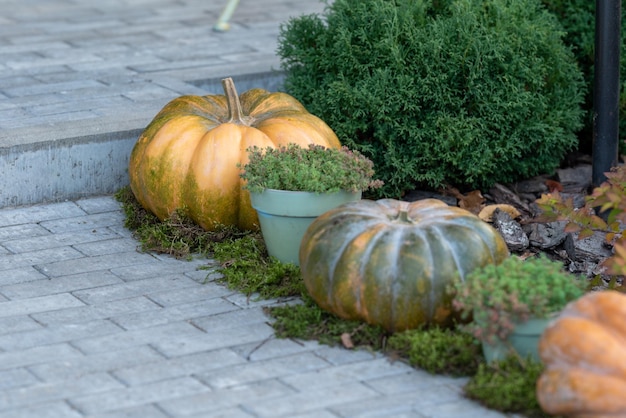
column 610, row 199
column 178, row 235
column 438, row 350
column 468, row 92
column 314, row 169
column 308, row 321
column 579, row 22
column 495, row 297
column 246, row 267
column 508, row 386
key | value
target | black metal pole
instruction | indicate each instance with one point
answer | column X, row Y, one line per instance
column 606, row 88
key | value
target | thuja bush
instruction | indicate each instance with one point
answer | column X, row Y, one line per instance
column 468, row 92
column 578, row 19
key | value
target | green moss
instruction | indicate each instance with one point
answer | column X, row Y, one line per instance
column 308, row 321
column 247, row 268
column 438, row 350
column 508, row 386
column 178, row 235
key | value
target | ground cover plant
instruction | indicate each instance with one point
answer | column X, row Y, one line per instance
column 243, row 261
column 466, row 92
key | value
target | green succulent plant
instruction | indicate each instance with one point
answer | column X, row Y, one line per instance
column 314, row 169
column 495, row 297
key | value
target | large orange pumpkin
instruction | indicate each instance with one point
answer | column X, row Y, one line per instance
column 187, row 156
column 389, row 262
column 584, row 354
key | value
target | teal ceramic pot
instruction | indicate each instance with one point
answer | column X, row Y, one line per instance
column 524, row 340
column 284, row 216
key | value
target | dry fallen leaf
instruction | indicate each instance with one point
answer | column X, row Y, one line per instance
column 472, row 201
column 486, row 214
column 346, row 340
column 554, row 186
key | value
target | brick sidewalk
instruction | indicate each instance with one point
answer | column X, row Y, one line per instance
column 113, row 64
column 90, row 327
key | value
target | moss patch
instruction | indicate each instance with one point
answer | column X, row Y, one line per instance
column 507, row 386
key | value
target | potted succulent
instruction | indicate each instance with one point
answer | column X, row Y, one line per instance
column 510, row 304
column 290, row 186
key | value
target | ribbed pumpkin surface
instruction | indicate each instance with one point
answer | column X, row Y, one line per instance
column 583, row 351
column 187, row 156
column 388, row 262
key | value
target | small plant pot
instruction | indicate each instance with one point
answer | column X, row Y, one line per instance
column 284, row 216
column 524, row 340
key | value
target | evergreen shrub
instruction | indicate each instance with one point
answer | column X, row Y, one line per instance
column 468, row 92
column 578, row 18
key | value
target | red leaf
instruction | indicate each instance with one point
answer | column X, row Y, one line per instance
column 554, row 186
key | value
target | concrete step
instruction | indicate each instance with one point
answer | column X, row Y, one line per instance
column 78, row 159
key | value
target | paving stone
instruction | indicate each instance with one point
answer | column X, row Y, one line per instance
column 9, row 233
column 168, row 265
column 107, row 362
column 39, row 304
column 226, row 413
column 45, row 410
column 214, row 339
column 138, row 395
column 274, row 348
column 337, row 375
column 143, row 411
column 19, row 275
column 214, row 401
column 418, row 381
column 33, row 243
column 36, row 355
column 147, row 287
column 13, row 324
column 464, row 408
column 111, row 246
column 190, row 295
column 15, row 378
column 232, row 319
column 99, row 204
column 100, row 384
column 178, row 333
column 84, row 222
column 77, row 265
column 310, row 400
column 392, row 406
column 97, row 311
column 43, row 287
column 39, row 213
column 283, row 367
column 338, row 355
column 34, row 258
column 188, row 311
column 57, row 334
column 171, row 368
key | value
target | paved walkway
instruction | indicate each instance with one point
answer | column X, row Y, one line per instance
column 89, row 326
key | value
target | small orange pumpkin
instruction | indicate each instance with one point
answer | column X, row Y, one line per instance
column 584, row 353
column 187, row 156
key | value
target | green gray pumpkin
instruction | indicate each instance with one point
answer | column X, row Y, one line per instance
column 389, row 262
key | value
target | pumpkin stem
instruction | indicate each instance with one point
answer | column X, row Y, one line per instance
column 403, row 216
column 235, row 112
